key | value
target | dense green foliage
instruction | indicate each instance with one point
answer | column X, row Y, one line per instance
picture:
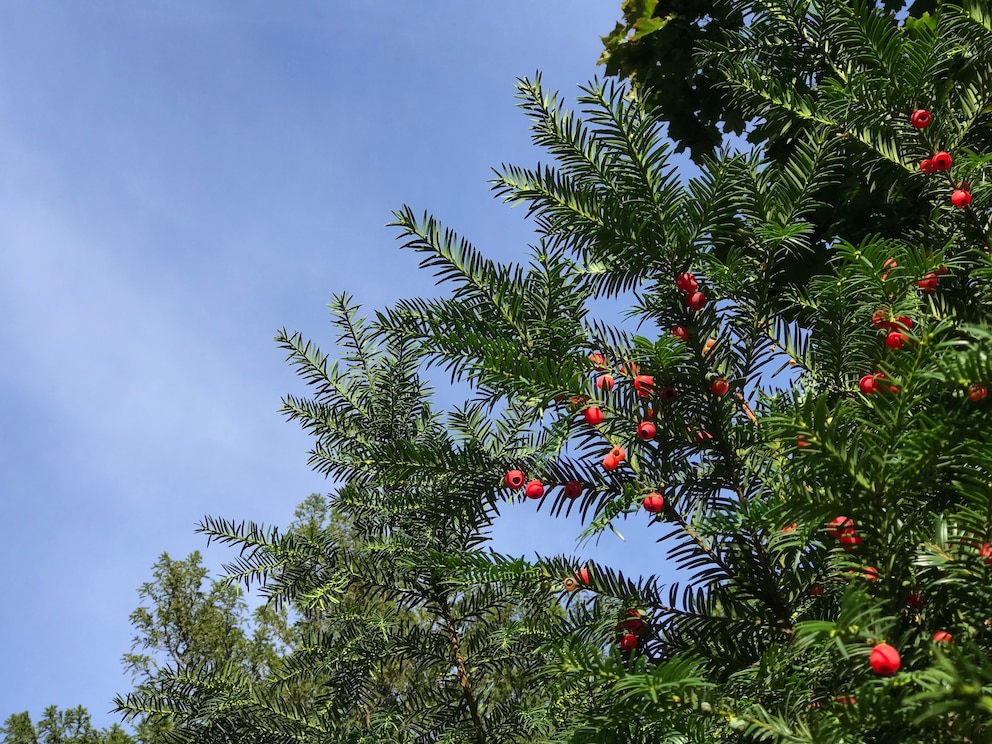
column 411, row 629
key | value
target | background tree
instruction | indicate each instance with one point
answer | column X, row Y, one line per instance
column 70, row 726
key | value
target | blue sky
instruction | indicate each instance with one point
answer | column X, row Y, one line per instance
column 178, row 180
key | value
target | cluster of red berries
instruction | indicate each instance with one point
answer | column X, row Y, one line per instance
column 869, row 384
column 896, row 337
column 535, row 489
column 842, row 528
column 976, row 392
column 940, row 161
column 686, row 283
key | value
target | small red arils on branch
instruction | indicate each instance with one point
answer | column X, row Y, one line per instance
column 976, row 392
column 634, row 625
column 535, row 489
column 985, row 551
column 837, row 524
column 686, row 282
column 644, row 385
column 680, row 333
column 887, row 267
column 942, row 636
column 605, row 383
column 884, row 659
column 646, row 431
column 928, row 284
column 942, row 161
column 614, row 458
column 920, row 118
column 668, row 393
column 719, row 387
column 915, row 600
column 850, row 540
column 629, row 642
column 593, row 415
column 896, row 339
column 927, row 166
column 515, row 478
column 573, row 489
column 961, row 198
column 598, row 360
column 654, row 502
column 695, row 301
column 867, row 385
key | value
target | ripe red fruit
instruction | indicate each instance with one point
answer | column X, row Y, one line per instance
column 583, row 574
column 686, row 282
column 915, row 600
column 850, row 540
column 847, row 701
column 644, row 385
column 887, row 267
column 880, row 318
column 928, row 284
column 535, row 489
column 942, row 636
column 668, row 393
column 573, row 489
column 515, row 478
column 838, row 525
column 942, row 161
column 593, row 415
column 881, row 376
column 867, row 384
column 927, row 166
column 789, row 528
column 815, row 591
column 871, row 573
column 960, row 198
column 605, row 382
column 598, row 360
column 610, row 463
column 976, row 392
column 884, row 659
column 619, row 453
column 896, row 340
column 635, row 625
column 654, row 502
column 719, row 387
column 708, row 347
column 697, row 300
column 681, row 333
column 646, row 431
column 630, row 370
column 985, row 551
column 628, row 642
column 902, row 322
column 920, row 118
column 801, row 440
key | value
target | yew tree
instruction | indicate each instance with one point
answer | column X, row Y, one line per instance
column 814, row 454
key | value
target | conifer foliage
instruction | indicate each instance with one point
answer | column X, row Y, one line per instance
column 817, row 464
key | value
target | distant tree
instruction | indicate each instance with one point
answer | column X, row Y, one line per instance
column 70, row 726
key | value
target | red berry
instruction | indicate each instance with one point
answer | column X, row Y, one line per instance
column 927, row 166
column 708, row 347
column 515, row 478
column 646, row 431
column 847, row 701
column 801, row 440
column 881, row 376
column 696, row 301
column 815, row 591
column 598, row 360
column 942, row 636
column 915, row 600
column 789, row 528
column 928, row 284
column 850, row 540
column 942, row 161
column 654, row 502
column 920, row 118
column 583, row 574
column 963, row 185
column 636, row 625
column 668, row 393
column 681, row 333
column 701, row 437
column 839, row 524
column 630, row 370
column 610, row 463
column 644, row 385
column 686, row 282
column 884, row 659
column 871, row 573
column 985, row 551
column 605, row 382
column 628, row 642
column 867, row 384
column 535, row 489
column 976, row 392
column 961, row 198
column 903, row 322
column 593, row 416
column 880, row 319
column 719, row 387
column 573, row 489
column 619, row 453
column 887, row 267
column 896, row 340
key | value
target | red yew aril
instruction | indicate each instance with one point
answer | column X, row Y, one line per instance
column 942, row 161
column 976, row 392
column 654, row 502
column 880, row 318
column 573, row 489
column 696, row 301
column 515, row 478
column 942, row 636
column 634, row 625
column 646, row 431
column 598, row 360
column 593, row 415
column 686, row 282
column 920, row 118
column 619, row 452
column 680, row 332
column 928, row 284
column 720, row 387
column 850, row 540
column 535, row 489
column 708, row 347
column 644, row 385
column 887, row 267
column 629, row 642
column 927, row 166
column 961, row 198
column 839, row 524
column 815, row 591
column 896, row 340
column 610, row 463
column 884, row 659
column 605, row 382
column 985, row 551
column 867, row 385
column 870, row 573
column 915, row 600
column 583, row 574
